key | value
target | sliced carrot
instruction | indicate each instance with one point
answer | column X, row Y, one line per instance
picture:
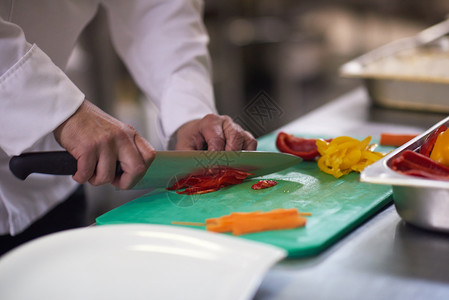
column 232, row 216
column 248, row 222
column 241, row 223
column 396, row 140
column 262, row 224
column 226, row 223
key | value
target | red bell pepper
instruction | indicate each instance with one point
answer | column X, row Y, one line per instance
column 263, row 184
column 302, row 147
column 427, row 146
column 209, row 180
column 416, row 164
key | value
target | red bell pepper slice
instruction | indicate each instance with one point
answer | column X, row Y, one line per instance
column 209, row 180
column 427, row 146
column 416, row 164
column 263, row 184
column 302, row 147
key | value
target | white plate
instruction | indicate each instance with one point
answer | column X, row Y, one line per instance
column 135, row 262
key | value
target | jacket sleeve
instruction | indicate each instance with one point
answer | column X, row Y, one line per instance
column 35, row 95
column 164, row 45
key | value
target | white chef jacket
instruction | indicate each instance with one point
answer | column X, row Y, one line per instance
column 162, row 42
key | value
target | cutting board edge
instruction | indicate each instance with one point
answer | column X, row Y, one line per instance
column 321, row 247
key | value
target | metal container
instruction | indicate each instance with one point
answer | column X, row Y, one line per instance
column 411, row 73
column 421, row 202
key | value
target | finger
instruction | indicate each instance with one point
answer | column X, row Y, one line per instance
column 189, row 137
column 195, row 141
column 85, row 167
column 134, row 162
column 235, row 142
column 105, row 170
column 212, row 131
column 250, row 142
column 145, row 149
column 235, row 135
column 132, row 167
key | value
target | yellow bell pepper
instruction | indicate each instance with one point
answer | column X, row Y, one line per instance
column 440, row 152
column 345, row 154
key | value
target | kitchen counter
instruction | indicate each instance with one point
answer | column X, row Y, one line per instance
column 384, row 258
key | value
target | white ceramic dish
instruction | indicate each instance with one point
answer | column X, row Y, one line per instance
column 135, row 262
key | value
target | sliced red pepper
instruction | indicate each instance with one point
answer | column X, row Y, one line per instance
column 263, row 184
column 209, row 180
column 424, row 174
column 416, row 164
column 302, row 147
column 427, row 146
column 184, row 182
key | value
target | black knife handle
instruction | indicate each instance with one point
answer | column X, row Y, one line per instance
column 52, row 162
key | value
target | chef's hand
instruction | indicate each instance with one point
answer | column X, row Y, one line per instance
column 214, row 132
column 98, row 141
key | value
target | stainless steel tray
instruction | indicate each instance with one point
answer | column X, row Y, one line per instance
column 410, row 73
column 421, row 202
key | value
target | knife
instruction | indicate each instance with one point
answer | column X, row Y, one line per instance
column 166, row 168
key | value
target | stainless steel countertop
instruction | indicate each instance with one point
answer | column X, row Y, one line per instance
column 384, row 258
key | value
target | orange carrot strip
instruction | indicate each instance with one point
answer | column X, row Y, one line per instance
column 262, row 224
column 274, row 213
column 396, row 140
column 241, row 223
column 231, row 216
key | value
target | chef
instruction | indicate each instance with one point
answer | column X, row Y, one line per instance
column 163, row 43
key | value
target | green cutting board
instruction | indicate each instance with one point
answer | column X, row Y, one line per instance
column 337, row 205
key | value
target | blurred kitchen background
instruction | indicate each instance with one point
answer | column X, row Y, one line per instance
column 281, row 57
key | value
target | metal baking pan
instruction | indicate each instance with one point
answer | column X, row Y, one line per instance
column 418, row 201
column 411, row 73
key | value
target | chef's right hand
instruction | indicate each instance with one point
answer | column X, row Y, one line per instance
column 98, row 141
